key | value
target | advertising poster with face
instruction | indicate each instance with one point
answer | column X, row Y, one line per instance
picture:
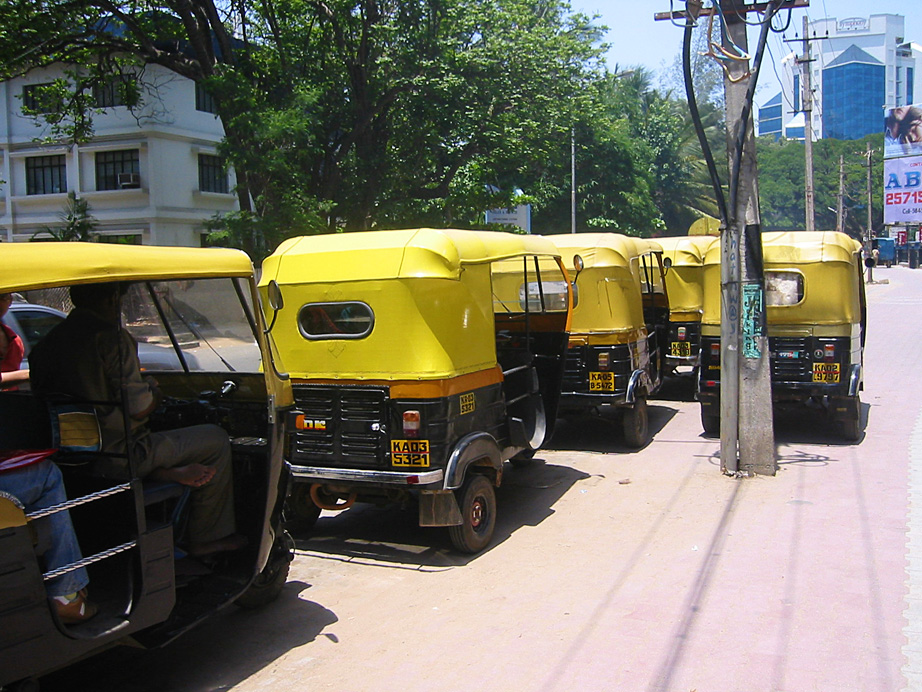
column 903, row 131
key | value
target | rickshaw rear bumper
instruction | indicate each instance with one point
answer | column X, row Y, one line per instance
column 404, row 479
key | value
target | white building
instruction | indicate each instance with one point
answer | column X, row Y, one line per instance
column 860, row 66
column 151, row 176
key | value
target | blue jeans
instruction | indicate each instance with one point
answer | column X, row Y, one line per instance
column 40, row 486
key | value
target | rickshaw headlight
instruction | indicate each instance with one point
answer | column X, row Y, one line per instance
column 604, row 360
column 411, row 424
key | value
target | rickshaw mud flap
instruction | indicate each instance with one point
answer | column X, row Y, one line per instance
column 439, row 508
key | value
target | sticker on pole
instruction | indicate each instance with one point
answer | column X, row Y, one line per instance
column 753, row 312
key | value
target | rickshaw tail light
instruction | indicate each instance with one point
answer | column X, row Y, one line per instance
column 829, row 352
column 715, row 349
column 603, row 361
column 411, row 424
column 681, row 333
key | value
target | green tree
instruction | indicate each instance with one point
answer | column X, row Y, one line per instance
column 77, row 224
column 340, row 113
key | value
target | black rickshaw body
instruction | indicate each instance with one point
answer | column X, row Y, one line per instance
column 421, row 360
column 616, row 356
column 816, row 314
column 201, row 307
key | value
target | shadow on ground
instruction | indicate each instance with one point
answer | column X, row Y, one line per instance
column 392, row 535
column 219, row 654
column 603, row 433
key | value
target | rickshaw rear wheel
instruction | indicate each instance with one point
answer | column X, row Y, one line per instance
column 636, row 424
column 24, row 685
column 849, row 428
column 269, row 583
column 300, row 511
column 710, row 423
column 477, row 502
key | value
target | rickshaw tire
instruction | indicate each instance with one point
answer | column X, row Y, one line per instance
column 300, row 511
column 269, row 583
column 710, row 423
column 636, row 424
column 24, row 685
column 477, row 502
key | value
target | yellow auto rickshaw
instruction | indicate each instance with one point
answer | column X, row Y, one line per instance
column 615, row 357
column 196, row 316
column 816, row 313
column 416, row 374
column 683, row 257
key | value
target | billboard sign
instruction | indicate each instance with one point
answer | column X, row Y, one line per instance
column 903, row 190
column 903, row 131
column 516, row 216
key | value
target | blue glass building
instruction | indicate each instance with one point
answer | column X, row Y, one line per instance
column 853, row 95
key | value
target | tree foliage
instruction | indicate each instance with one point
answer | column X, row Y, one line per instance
column 781, row 183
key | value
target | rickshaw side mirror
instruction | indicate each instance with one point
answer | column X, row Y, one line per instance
column 667, row 263
column 578, row 265
column 869, row 262
column 276, row 302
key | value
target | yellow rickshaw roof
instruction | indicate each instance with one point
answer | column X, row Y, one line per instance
column 410, row 253
column 28, row 266
column 800, row 247
column 602, row 249
column 686, row 250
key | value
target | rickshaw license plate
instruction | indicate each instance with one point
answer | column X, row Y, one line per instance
column 601, row 381
column 681, row 349
column 410, row 453
column 826, row 372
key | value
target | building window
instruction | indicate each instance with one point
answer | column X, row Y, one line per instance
column 910, row 76
column 211, row 174
column 110, row 93
column 46, row 175
column 796, row 93
column 124, row 239
column 852, row 94
column 118, row 170
column 37, row 99
column 203, row 100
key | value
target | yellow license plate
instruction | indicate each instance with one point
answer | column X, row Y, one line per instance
column 680, row 349
column 410, row 453
column 826, row 372
column 601, row 381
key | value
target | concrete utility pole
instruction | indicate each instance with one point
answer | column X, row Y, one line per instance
column 805, row 72
column 743, row 322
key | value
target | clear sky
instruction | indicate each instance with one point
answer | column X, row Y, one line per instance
column 636, row 39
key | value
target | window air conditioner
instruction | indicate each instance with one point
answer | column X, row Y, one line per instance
column 128, row 180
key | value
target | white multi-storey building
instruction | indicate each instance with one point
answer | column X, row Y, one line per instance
column 859, row 66
column 150, row 176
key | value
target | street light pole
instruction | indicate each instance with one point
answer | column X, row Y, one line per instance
column 572, row 180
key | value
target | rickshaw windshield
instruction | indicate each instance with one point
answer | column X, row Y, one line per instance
column 199, row 325
column 207, row 321
column 529, row 284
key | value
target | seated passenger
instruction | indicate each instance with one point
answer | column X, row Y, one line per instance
column 40, row 486
column 89, row 356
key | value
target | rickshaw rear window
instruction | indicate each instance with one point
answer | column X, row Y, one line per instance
column 783, row 288
column 346, row 320
column 553, row 293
